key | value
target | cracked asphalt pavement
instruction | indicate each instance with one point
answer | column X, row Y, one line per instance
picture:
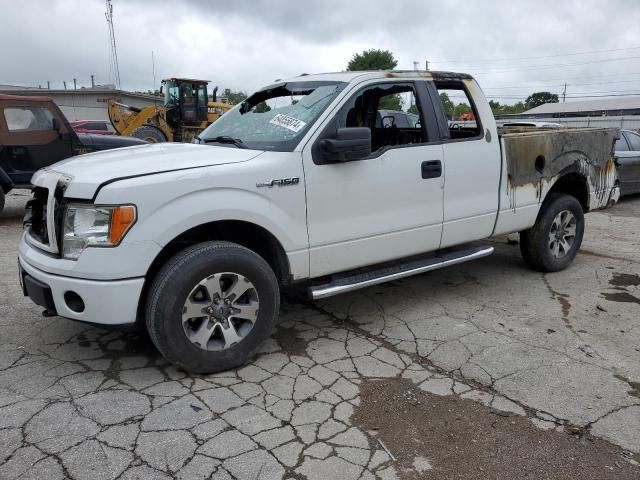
column 482, row 370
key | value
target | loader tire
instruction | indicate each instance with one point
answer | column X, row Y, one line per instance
column 149, row 134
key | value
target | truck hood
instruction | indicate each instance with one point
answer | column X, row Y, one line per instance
column 95, row 142
column 88, row 172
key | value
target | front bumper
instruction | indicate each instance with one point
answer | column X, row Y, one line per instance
column 104, row 302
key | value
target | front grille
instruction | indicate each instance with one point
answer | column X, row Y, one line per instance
column 43, row 228
column 35, row 219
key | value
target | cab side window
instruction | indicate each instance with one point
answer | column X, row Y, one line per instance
column 634, row 141
column 462, row 116
column 390, row 111
column 28, row 118
column 621, row 145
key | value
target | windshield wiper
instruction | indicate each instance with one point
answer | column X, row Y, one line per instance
column 224, row 139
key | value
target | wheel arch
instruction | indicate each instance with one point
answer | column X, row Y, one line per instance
column 250, row 235
column 572, row 182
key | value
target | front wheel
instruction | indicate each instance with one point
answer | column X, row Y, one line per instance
column 211, row 306
column 554, row 240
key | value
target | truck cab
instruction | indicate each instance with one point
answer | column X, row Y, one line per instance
column 310, row 182
column 34, row 134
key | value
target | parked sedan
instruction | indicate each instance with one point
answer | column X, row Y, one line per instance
column 628, row 161
column 96, row 127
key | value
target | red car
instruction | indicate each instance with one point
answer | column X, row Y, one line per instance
column 99, row 127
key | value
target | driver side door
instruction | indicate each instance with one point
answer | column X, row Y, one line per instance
column 383, row 207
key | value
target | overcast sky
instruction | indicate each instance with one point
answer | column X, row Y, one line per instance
column 513, row 47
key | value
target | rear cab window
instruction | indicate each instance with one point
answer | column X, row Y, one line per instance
column 462, row 118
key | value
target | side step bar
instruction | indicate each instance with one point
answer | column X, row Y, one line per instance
column 374, row 277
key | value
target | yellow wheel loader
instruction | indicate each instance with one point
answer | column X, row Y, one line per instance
column 185, row 113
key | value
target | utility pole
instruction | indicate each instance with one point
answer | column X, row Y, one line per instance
column 93, row 83
column 564, row 93
column 113, row 52
column 64, row 82
column 74, row 84
column 426, row 64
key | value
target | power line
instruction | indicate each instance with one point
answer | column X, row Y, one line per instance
column 554, row 84
column 537, row 57
column 563, row 79
column 557, row 65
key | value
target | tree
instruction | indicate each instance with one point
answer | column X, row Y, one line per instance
column 447, row 104
column 391, row 102
column 499, row 109
column 262, row 107
column 372, row 59
column 540, row 98
column 413, row 109
column 234, row 98
column 460, row 109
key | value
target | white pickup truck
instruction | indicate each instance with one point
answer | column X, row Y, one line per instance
column 308, row 182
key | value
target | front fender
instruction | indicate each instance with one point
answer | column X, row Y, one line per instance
column 172, row 203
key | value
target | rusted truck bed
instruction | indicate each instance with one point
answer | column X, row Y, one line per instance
column 536, row 157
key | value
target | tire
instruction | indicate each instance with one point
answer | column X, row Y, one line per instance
column 554, row 240
column 186, row 286
column 1, row 199
column 149, row 134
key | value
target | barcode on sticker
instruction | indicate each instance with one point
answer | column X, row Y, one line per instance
column 288, row 122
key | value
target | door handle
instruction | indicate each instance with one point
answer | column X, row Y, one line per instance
column 431, row 169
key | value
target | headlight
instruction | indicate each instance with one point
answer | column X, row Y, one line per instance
column 88, row 225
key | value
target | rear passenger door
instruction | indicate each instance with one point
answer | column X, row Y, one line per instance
column 472, row 162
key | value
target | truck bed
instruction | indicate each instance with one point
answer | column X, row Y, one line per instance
column 536, row 156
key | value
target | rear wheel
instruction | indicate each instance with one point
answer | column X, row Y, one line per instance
column 149, row 134
column 1, row 199
column 211, row 306
column 553, row 242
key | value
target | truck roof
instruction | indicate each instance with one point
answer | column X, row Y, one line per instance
column 377, row 74
column 23, row 98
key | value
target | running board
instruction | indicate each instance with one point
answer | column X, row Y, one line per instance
column 350, row 283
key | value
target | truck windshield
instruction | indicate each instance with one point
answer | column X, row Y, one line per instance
column 274, row 118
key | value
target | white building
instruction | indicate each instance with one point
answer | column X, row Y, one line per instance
column 620, row 112
column 86, row 103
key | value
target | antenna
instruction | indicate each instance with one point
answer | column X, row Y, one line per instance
column 153, row 71
column 113, row 52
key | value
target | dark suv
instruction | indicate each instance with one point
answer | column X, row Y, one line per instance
column 34, row 133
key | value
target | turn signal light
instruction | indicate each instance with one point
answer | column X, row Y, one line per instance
column 122, row 219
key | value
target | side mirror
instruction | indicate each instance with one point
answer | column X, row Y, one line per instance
column 353, row 143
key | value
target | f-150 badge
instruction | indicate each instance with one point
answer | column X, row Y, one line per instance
column 280, row 182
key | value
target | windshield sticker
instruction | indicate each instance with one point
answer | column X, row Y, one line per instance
column 288, row 122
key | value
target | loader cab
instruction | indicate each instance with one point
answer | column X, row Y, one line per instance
column 185, row 101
